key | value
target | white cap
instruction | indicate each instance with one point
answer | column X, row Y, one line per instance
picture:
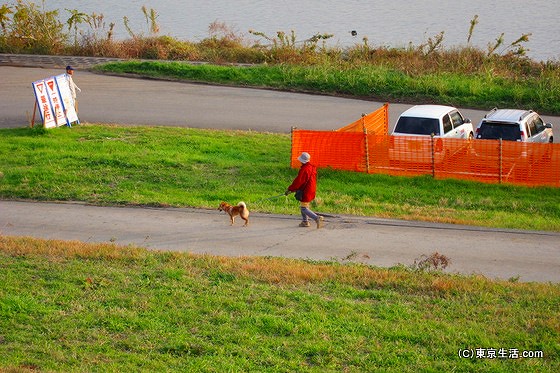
column 304, row 157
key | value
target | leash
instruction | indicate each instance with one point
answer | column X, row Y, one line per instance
column 269, row 198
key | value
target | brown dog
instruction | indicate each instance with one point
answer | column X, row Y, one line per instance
column 241, row 210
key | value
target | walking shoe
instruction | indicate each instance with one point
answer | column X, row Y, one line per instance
column 319, row 222
column 304, row 224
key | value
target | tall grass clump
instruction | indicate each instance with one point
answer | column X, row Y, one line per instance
column 30, row 28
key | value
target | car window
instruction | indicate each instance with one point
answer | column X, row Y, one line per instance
column 497, row 130
column 539, row 124
column 532, row 129
column 446, row 124
column 457, row 119
column 417, row 126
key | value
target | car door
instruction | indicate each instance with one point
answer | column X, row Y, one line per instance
column 458, row 121
column 448, row 130
column 540, row 133
column 532, row 133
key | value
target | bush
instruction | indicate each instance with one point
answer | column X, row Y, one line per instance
column 31, row 29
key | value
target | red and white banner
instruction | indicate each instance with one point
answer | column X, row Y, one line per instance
column 66, row 96
column 44, row 103
column 54, row 101
column 58, row 109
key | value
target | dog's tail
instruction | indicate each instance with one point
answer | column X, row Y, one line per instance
column 243, row 210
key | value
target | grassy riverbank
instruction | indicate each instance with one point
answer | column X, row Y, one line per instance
column 71, row 306
column 189, row 167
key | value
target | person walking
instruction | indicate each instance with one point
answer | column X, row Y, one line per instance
column 305, row 187
column 73, row 87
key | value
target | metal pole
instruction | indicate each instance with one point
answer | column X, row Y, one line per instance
column 500, row 160
column 292, row 144
column 366, row 142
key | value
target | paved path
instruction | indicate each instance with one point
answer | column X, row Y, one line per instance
column 495, row 253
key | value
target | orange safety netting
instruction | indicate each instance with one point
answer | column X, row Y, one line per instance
column 372, row 123
column 338, row 150
column 490, row 161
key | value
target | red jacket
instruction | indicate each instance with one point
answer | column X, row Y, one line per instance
column 306, row 180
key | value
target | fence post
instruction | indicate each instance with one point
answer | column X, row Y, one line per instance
column 292, row 145
column 433, row 157
column 500, row 160
column 366, row 142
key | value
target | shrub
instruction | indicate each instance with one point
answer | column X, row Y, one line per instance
column 31, row 29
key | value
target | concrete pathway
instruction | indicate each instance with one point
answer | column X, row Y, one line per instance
column 495, row 253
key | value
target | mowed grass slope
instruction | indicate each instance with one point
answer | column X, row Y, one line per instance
column 482, row 90
column 165, row 166
column 73, row 306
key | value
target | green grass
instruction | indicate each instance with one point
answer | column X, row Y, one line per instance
column 165, row 166
column 475, row 90
column 72, row 306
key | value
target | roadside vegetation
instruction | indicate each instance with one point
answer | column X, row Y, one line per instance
column 73, row 306
column 165, row 166
column 465, row 76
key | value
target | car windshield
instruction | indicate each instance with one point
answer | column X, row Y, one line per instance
column 417, row 126
column 495, row 131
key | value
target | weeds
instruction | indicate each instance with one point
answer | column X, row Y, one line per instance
column 432, row 262
column 30, row 28
column 151, row 19
column 474, row 22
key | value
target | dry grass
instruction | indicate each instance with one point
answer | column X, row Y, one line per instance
column 279, row 271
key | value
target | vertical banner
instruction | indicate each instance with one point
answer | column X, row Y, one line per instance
column 54, row 100
column 44, row 103
column 57, row 106
column 66, row 97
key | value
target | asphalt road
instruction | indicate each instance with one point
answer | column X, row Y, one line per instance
column 110, row 99
column 529, row 256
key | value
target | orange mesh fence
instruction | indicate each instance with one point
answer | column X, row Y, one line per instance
column 338, row 150
column 489, row 161
column 516, row 162
column 376, row 122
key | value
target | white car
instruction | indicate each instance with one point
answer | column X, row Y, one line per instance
column 411, row 139
column 524, row 149
column 439, row 120
column 514, row 125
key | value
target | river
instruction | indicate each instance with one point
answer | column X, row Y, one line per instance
column 395, row 23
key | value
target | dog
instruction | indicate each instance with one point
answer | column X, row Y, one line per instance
column 241, row 210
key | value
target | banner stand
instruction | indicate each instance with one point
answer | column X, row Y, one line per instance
column 32, row 124
column 54, row 100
